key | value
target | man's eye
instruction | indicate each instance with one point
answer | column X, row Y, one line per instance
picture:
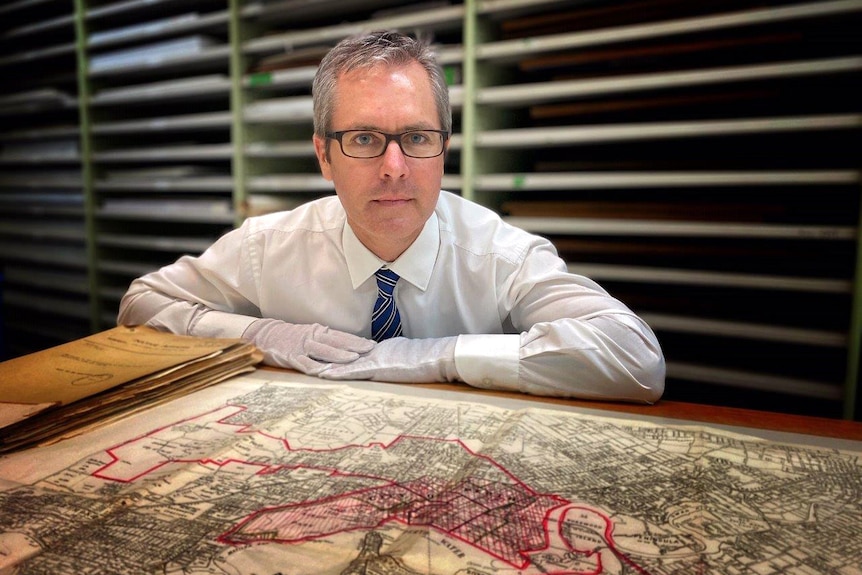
column 364, row 139
column 418, row 138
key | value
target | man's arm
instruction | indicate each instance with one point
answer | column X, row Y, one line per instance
column 614, row 357
column 207, row 296
column 188, row 297
column 574, row 340
column 618, row 358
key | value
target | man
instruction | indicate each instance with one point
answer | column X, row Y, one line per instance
column 474, row 299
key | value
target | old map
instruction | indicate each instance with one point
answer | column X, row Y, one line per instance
column 270, row 477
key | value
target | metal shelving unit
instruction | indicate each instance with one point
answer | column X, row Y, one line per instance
column 160, row 120
column 696, row 161
column 699, row 160
column 43, row 256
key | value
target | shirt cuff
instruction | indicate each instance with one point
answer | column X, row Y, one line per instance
column 221, row 324
column 489, row 361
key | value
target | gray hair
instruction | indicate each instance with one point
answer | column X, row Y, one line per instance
column 366, row 51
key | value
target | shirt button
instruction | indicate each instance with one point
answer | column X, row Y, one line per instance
column 487, row 381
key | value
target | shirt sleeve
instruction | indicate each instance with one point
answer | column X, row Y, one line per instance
column 574, row 340
column 206, row 296
column 488, row 361
column 613, row 356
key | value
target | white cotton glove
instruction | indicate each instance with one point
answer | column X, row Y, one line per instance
column 309, row 348
column 403, row 360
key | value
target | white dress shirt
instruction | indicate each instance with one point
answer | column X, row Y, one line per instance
column 524, row 322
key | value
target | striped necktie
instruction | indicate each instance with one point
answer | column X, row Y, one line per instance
column 385, row 320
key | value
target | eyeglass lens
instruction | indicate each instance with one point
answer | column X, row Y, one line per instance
column 369, row 144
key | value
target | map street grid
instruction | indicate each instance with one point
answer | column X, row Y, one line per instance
column 270, row 477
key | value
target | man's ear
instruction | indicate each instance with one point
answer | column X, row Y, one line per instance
column 322, row 156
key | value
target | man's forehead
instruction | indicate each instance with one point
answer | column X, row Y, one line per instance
column 404, row 86
column 380, row 68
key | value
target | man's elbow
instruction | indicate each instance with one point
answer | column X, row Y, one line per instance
column 650, row 376
column 126, row 314
column 136, row 308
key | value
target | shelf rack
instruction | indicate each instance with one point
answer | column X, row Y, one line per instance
column 700, row 160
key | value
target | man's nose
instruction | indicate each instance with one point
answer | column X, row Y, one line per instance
column 394, row 161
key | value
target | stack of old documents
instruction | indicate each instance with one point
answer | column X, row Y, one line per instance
column 65, row 390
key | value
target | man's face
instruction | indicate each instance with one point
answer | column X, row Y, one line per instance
column 388, row 198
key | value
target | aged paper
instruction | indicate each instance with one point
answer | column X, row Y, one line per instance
column 84, row 367
column 65, row 390
column 281, row 473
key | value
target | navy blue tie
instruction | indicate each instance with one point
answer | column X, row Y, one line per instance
column 385, row 320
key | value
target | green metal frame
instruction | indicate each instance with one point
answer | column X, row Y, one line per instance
column 90, row 203
column 468, row 110
column 237, row 104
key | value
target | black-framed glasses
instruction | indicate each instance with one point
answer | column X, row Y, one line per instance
column 372, row 144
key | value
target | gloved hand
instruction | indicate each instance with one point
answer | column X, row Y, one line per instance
column 404, row 360
column 309, row 348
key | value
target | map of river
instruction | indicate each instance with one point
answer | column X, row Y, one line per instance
column 272, row 477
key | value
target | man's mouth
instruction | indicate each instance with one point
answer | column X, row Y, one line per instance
column 392, row 201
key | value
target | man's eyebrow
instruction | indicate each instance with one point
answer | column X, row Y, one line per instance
column 410, row 128
column 414, row 127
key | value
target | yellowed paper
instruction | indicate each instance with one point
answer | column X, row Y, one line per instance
column 72, row 371
column 62, row 391
column 13, row 412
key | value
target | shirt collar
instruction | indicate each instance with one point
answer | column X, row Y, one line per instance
column 414, row 265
